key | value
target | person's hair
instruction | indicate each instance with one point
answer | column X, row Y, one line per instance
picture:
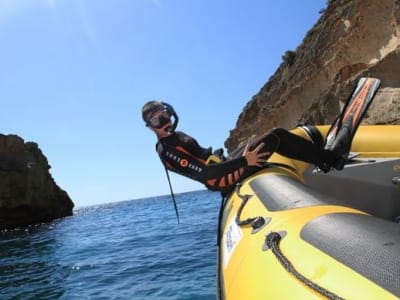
column 149, row 107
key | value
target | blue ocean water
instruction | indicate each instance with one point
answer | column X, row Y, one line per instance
column 126, row 250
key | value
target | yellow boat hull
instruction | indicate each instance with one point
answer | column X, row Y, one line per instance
column 336, row 238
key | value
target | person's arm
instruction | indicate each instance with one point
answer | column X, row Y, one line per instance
column 249, row 158
column 230, row 169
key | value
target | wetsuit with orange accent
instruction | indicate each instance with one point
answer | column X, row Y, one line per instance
column 182, row 154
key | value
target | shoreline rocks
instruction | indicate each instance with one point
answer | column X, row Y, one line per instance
column 28, row 192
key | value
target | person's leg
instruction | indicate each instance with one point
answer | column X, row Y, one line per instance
column 293, row 146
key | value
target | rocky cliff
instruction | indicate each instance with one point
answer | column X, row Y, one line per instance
column 352, row 38
column 28, row 193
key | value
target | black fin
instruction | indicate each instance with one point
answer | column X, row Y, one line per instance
column 343, row 129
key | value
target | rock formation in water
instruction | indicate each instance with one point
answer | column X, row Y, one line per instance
column 28, row 193
column 352, row 38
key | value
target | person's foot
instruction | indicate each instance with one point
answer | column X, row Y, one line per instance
column 340, row 149
column 331, row 160
column 325, row 167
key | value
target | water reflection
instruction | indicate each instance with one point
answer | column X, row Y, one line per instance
column 29, row 263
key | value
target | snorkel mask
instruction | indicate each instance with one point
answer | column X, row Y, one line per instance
column 157, row 114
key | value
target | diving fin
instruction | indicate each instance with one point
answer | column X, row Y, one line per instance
column 343, row 129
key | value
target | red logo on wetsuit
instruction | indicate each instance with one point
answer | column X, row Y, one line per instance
column 184, row 163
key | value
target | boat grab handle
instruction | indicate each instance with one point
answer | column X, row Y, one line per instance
column 396, row 180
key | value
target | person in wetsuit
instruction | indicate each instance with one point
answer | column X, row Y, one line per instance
column 182, row 154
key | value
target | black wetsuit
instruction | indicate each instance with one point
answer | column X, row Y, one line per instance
column 182, row 154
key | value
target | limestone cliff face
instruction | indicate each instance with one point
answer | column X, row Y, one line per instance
column 352, row 38
column 28, row 193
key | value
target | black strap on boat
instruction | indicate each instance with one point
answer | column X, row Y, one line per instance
column 272, row 241
column 172, row 195
column 244, row 198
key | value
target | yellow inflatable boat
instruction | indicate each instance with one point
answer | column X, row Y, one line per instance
column 291, row 232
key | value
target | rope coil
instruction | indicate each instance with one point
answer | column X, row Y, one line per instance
column 272, row 240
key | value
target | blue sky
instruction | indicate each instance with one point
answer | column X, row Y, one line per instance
column 75, row 73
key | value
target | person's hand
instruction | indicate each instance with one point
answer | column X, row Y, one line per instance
column 255, row 157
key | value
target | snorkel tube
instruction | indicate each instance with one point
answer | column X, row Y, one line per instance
column 171, row 112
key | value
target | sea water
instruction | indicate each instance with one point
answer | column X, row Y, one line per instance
column 126, row 250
